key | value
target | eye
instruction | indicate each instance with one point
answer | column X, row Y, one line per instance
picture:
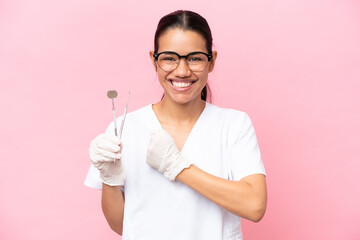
column 194, row 59
column 168, row 59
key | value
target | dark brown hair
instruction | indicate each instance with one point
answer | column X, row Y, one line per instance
column 186, row 20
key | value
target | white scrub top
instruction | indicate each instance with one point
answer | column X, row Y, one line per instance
column 222, row 143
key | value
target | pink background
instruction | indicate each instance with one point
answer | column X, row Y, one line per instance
column 293, row 66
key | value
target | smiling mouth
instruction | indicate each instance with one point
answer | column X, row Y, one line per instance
column 181, row 84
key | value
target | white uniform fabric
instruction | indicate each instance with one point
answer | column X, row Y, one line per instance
column 222, row 143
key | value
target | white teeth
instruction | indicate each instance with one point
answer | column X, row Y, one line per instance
column 181, row 84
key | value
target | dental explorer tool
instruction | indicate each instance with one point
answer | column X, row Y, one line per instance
column 123, row 120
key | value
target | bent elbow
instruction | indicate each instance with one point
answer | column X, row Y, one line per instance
column 258, row 214
column 116, row 228
column 257, row 218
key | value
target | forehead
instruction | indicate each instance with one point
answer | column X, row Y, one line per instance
column 181, row 41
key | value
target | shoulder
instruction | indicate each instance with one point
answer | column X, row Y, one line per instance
column 227, row 116
column 133, row 119
column 139, row 114
column 140, row 118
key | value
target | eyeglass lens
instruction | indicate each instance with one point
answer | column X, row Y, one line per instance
column 169, row 61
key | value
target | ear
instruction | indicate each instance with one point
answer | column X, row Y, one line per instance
column 212, row 61
column 151, row 53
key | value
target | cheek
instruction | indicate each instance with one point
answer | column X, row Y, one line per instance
column 161, row 76
column 203, row 77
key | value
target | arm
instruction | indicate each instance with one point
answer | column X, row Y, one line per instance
column 112, row 202
column 105, row 155
column 245, row 198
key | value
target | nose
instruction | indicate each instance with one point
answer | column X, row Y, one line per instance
column 182, row 69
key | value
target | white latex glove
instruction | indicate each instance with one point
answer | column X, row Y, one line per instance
column 105, row 155
column 164, row 156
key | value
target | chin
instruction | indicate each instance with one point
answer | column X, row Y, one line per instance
column 185, row 99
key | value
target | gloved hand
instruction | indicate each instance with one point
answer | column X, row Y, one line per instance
column 164, row 156
column 105, row 155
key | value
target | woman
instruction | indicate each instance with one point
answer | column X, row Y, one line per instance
column 185, row 169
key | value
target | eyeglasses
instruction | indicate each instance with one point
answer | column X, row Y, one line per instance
column 169, row 61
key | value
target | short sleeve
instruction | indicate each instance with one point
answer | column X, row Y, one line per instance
column 93, row 179
column 244, row 156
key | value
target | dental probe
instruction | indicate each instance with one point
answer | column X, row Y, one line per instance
column 123, row 120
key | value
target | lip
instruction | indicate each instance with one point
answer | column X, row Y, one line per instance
column 181, row 89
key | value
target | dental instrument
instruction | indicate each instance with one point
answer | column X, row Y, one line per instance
column 124, row 116
column 112, row 94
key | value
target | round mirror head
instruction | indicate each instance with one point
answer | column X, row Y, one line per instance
column 112, row 94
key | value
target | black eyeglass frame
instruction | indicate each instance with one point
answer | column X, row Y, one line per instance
column 156, row 55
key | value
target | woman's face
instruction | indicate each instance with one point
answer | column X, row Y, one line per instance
column 182, row 85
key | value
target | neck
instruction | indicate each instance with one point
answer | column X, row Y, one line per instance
column 171, row 112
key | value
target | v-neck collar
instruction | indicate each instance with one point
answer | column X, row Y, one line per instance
column 157, row 125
